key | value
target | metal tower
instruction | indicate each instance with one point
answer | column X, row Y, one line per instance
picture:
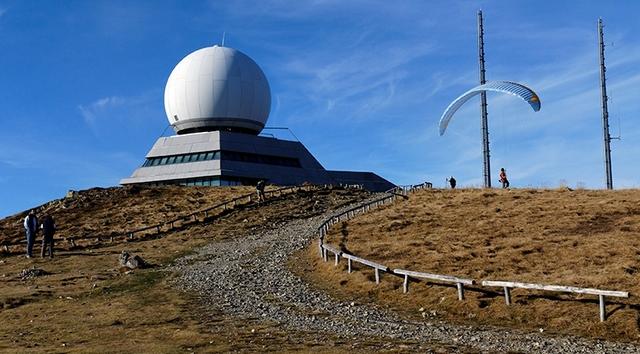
column 483, row 106
column 605, row 110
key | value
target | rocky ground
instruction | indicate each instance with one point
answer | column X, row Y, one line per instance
column 249, row 278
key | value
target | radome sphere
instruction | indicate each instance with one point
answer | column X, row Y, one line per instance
column 217, row 88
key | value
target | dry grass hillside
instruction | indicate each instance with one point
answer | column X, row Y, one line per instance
column 86, row 303
column 113, row 211
column 579, row 238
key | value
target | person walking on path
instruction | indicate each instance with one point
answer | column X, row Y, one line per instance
column 30, row 227
column 503, row 178
column 452, row 182
column 260, row 190
column 48, row 229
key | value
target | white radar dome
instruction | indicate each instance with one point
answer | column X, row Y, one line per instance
column 217, row 88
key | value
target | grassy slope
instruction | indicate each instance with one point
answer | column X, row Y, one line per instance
column 106, row 211
column 88, row 304
column 581, row 238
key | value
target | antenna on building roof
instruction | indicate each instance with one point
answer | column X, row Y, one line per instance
column 224, row 34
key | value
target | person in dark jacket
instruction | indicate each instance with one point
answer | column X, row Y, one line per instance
column 260, row 190
column 30, row 228
column 503, row 178
column 452, row 182
column 48, row 229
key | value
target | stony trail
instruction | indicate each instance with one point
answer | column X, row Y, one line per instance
column 248, row 277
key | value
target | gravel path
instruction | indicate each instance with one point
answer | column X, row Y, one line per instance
column 248, row 278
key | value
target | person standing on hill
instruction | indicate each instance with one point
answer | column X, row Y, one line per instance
column 31, row 227
column 452, row 182
column 503, row 178
column 260, row 190
column 48, row 229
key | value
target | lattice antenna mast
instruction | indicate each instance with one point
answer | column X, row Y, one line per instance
column 483, row 105
column 605, row 109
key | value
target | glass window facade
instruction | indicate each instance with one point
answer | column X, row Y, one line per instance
column 226, row 155
column 208, row 182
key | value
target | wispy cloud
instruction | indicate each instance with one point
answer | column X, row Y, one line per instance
column 561, row 143
column 361, row 81
column 94, row 110
column 120, row 110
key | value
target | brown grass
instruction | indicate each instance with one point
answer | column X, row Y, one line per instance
column 579, row 238
column 113, row 211
column 88, row 304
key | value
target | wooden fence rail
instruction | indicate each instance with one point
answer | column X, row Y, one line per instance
column 205, row 212
column 376, row 266
column 390, row 196
column 460, row 282
column 170, row 224
column 403, row 191
column 508, row 285
column 328, row 248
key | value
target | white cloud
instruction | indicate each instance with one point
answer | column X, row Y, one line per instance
column 357, row 82
column 121, row 110
column 93, row 110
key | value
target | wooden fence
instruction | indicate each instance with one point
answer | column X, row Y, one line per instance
column 508, row 285
column 403, row 191
column 182, row 220
column 460, row 282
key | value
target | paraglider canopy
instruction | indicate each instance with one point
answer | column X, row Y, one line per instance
column 509, row 87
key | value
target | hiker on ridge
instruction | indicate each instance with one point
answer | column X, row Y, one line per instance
column 48, row 227
column 260, row 190
column 503, row 178
column 452, row 182
column 30, row 227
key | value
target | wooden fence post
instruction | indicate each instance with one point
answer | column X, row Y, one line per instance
column 377, row 276
column 460, row 291
column 507, row 295
column 405, row 284
column 603, row 313
column 349, row 265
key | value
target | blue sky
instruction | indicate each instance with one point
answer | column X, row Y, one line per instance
column 361, row 83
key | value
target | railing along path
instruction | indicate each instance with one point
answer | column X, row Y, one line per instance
column 180, row 221
column 205, row 213
column 403, row 191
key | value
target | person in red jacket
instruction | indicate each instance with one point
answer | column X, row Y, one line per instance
column 503, row 178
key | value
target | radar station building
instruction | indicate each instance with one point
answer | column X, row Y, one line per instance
column 218, row 100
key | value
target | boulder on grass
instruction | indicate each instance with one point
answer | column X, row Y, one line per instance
column 132, row 262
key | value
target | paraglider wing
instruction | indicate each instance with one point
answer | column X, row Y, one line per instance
column 509, row 87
